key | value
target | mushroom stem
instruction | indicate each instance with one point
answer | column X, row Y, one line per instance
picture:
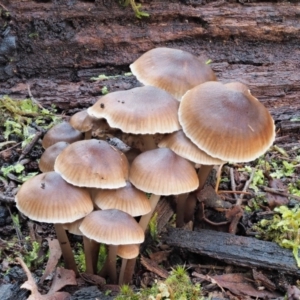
column 109, row 268
column 203, row 174
column 190, row 205
column 145, row 219
column 66, row 248
column 122, row 271
column 180, row 209
column 88, row 135
column 91, row 250
column 149, row 143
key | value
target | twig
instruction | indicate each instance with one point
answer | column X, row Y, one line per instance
column 234, row 192
column 232, row 181
column 279, row 192
column 10, row 147
column 6, row 199
column 27, row 149
column 246, row 186
column 218, row 177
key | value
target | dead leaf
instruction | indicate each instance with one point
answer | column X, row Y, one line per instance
column 35, row 294
column 152, row 266
column 160, row 256
column 240, row 285
column 62, row 278
column 93, row 279
column 54, row 256
column 275, row 200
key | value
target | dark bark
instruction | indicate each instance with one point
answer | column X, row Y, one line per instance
column 232, row 249
column 57, row 45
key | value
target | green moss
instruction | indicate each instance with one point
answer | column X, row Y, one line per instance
column 136, row 8
column 284, row 229
column 177, row 286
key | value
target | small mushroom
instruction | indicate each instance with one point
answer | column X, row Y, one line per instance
column 62, row 132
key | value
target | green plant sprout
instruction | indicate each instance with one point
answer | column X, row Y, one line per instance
column 284, row 229
column 104, row 90
column 105, row 77
column 136, row 8
column 79, row 257
column 153, row 227
column 209, row 61
column 177, row 286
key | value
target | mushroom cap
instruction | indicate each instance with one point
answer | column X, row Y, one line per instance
column 173, row 70
column 238, row 86
column 128, row 199
column 48, row 198
column 73, row 227
column 226, row 123
column 83, row 122
column 112, row 227
column 62, row 132
column 141, row 110
column 128, row 251
column 49, row 156
column 162, row 172
column 181, row 145
column 93, row 163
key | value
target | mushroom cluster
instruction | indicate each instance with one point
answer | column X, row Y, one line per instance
column 202, row 121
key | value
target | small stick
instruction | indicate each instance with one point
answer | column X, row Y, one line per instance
column 234, row 192
column 27, row 149
column 246, row 186
column 232, row 181
column 10, row 147
column 6, row 199
column 218, row 177
column 281, row 193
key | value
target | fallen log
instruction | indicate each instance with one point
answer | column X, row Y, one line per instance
column 233, row 249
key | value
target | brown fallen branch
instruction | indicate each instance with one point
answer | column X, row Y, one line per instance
column 232, row 249
column 6, row 199
column 281, row 193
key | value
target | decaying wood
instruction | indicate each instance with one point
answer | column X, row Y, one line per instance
column 152, row 266
column 236, row 250
column 56, row 46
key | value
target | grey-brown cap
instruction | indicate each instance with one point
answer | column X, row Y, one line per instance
column 73, row 227
column 173, row 70
column 93, row 163
column 141, row 110
column 181, row 145
column 163, row 172
column 62, row 132
column 48, row 198
column 128, row 199
column 46, row 163
column 112, row 227
column 226, row 123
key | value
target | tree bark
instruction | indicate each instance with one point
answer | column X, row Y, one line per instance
column 56, row 46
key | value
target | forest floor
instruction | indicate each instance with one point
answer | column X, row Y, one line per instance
column 266, row 184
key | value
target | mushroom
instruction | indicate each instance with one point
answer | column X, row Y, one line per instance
column 181, row 145
column 48, row 198
column 83, row 122
column 226, row 123
column 62, row 132
column 173, row 70
column 112, row 227
column 128, row 199
column 93, row 163
column 143, row 110
column 49, row 156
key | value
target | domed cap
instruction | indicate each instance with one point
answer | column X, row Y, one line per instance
column 48, row 158
column 142, row 110
column 226, row 123
column 83, row 122
column 238, row 86
column 181, row 145
column 48, row 198
column 128, row 199
column 73, row 227
column 93, row 163
column 173, row 70
column 112, row 227
column 62, row 132
column 128, row 251
column 162, row 172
